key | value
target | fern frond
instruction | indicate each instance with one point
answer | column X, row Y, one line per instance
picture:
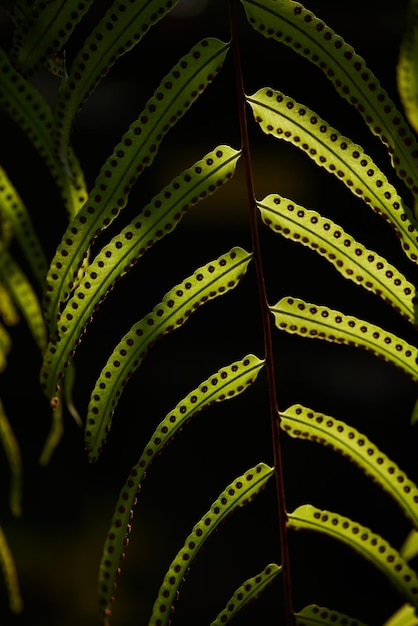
column 236, row 495
column 24, row 104
column 227, row 383
column 43, row 31
column 310, row 320
column 135, row 152
column 286, row 119
column 12, row 451
column 13, row 210
column 354, row 261
column 157, row 219
column 293, row 25
column 407, row 68
column 8, row 567
column 322, row 616
column 121, row 28
column 208, row 282
column 362, row 540
column 249, row 591
column 304, row 423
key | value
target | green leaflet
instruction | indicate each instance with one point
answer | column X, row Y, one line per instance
column 208, row 282
column 313, row 614
column 237, row 494
column 43, row 31
column 303, row 423
column 12, row 451
column 291, row 24
column 157, row 219
column 405, row 616
column 24, row 104
column 310, row 320
column 135, row 152
column 354, row 261
column 285, row 119
column 409, row 549
column 407, row 69
column 366, row 543
column 25, row 298
column 247, row 592
column 223, row 385
column 10, row 575
column 13, row 210
column 121, row 28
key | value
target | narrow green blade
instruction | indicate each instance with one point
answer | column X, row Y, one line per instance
column 291, row 24
column 136, row 151
column 208, row 282
column 227, row 383
column 236, row 495
column 249, row 591
column 355, row 262
column 304, row 423
column 363, row 541
column 294, row 315
column 286, row 119
column 157, row 219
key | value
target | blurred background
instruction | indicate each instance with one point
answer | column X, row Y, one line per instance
column 68, row 504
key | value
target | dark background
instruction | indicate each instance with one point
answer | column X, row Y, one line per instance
column 68, row 504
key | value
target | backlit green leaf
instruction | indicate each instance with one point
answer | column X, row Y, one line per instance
column 236, row 495
column 249, row 591
column 293, row 25
column 135, row 152
column 304, row 423
column 313, row 614
column 354, row 261
column 208, row 282
column 157, row 219
column 405, row 616
column 285, row 119
column 362, row 540
column 227, row 383
column 310, row 320
column 409, row 548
